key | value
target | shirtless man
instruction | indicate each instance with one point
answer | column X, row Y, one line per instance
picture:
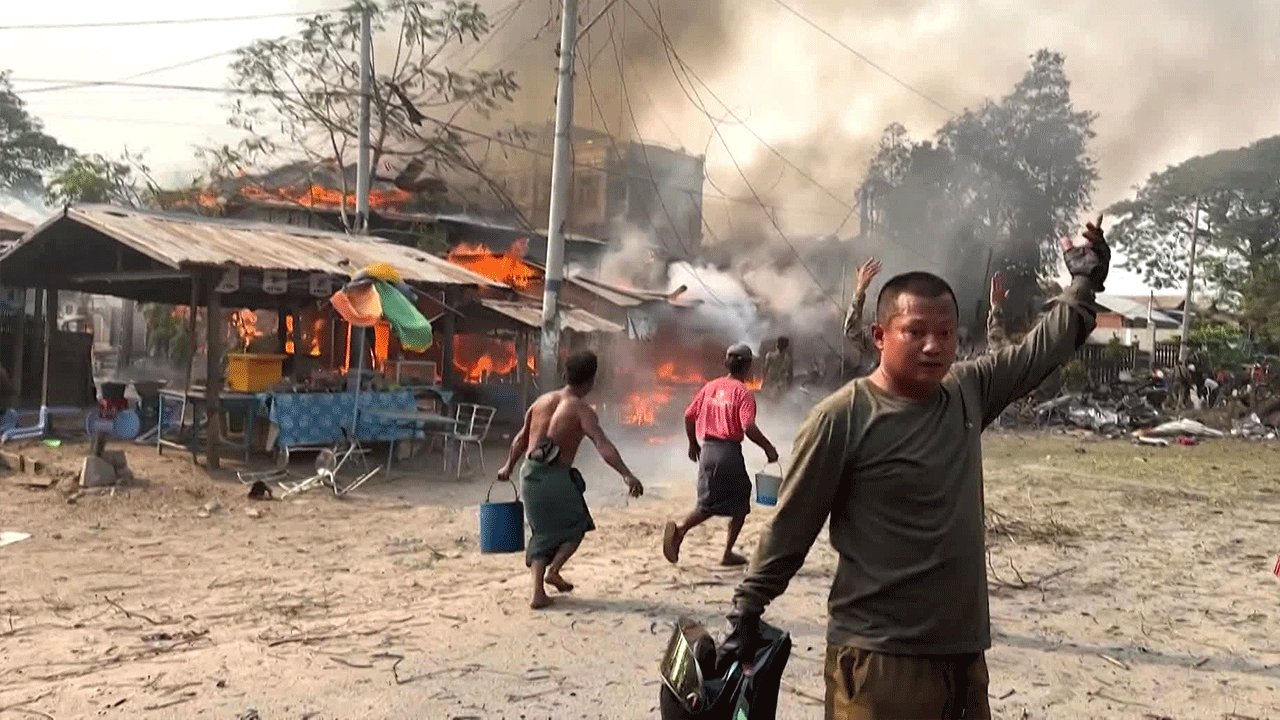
column 551, row 487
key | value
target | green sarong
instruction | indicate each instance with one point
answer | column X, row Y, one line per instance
column 554, row 506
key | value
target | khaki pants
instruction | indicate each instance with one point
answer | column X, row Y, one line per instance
column 866, row 685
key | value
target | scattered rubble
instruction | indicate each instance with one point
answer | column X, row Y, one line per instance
column 107, row 469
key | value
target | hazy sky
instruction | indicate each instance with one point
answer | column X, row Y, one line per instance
column 1170, row 78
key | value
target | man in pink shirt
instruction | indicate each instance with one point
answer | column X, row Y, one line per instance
column 721, row 415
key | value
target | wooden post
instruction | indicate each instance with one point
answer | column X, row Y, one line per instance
column 50, row 330
column 282, row 326
column 298, row 342
column 128, row 309
column 19, row 352
column 522, row 366
column 447, row 373
column 214, row 327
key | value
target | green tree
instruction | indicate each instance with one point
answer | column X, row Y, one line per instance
column 1238, row 195
column 99, row 179
column 1000, row 184
column 303, row 90
column 26, row 151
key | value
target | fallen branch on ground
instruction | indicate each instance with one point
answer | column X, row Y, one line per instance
column 1021, row 583
column 130, row 615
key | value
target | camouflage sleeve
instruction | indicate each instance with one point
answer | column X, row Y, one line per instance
column 996, row 336
column 853, row 327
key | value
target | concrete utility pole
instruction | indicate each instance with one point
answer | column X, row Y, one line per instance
column 363, row 171
column 1151, row 327
column 1191, row 278
column 561, row 178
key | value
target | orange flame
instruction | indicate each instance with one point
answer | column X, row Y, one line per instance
column 313, row 196
column 668, row 372
column 642, row 409
column 480, row 358
column 312, row 338
column 245, row 323
column 509, row 267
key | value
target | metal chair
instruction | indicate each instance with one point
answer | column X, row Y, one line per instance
column 470, row 427
column 328, row 464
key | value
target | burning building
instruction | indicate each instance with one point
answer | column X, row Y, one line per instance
column 654, row 189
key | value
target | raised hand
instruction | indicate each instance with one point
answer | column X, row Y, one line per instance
column 998, row 290
column 866, row 273
column 1090, row 260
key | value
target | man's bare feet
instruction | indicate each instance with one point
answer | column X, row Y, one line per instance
column 540, row 600
column 733, row 559
column 559, row 583
column 671, row 539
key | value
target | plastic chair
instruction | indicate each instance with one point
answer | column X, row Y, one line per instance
column 470, row 427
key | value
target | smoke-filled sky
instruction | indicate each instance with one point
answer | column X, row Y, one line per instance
column 1169, row 79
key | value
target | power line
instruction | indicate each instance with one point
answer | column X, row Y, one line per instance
column 626, row 95
column 671, row 223
column 164, row 21
column 673, row 55
column 141, row 121
column 144, row 73
column 662, row 36
column 165, row 86
column 340, row 93
column 865, row 59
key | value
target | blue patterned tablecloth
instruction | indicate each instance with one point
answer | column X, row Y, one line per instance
column 317, row 418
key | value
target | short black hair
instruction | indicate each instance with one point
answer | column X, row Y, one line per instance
column 783, row 343
column 738, row 364
column 920, row 283
column 580, row 368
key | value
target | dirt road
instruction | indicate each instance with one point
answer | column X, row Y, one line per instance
column 1127, row 582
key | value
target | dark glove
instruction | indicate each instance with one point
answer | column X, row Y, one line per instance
column 1092, row 260
column 741, row 644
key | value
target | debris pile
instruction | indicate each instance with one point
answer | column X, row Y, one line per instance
column 109, row 468
column 1111, row 417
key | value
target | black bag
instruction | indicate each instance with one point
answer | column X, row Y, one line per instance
column 690, row 689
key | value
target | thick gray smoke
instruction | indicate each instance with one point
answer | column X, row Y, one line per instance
column 1168, row 79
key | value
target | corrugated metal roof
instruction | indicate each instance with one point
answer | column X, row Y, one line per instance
column 1132, row 309
column 13, row 225
column 571, row 318
column 178, row 240
column 479, row 221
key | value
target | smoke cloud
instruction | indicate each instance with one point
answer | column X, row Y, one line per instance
column 1169, row 79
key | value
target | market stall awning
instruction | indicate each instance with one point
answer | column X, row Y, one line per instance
column 150, row 256
column 486, row 315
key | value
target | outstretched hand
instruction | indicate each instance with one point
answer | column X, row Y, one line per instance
column 1091, row 260
column 634, row 487
column 866, row 273
column 998, row 290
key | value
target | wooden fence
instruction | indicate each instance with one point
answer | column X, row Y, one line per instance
column 1106, row 362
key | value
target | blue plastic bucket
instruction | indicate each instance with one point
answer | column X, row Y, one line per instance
column 767, row 487
column 502, row 524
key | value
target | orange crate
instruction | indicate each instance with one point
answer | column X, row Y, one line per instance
column 251, row 372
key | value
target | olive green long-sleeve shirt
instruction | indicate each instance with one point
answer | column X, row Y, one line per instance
column 901, row 482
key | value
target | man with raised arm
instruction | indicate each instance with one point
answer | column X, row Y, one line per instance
column 552, row 489
column 997, row 338
column 854, row 329
column 894, row 461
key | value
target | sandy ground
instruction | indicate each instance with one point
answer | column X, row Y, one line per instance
column 1127, row 582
